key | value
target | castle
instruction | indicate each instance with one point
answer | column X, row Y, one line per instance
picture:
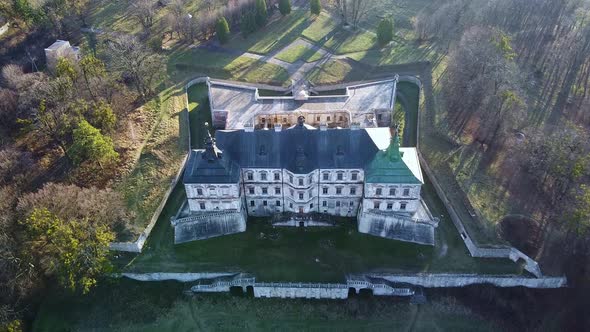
column 298, row 170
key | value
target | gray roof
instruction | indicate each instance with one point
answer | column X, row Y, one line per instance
column 299, row 150
column 200, row 169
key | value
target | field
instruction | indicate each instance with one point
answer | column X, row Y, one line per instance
column 139, row 306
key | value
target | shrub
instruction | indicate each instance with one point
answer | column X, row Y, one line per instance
column 248, row 22
column 222, row 30
column 261, row 13
column 90, row 144
column 315, row 7
column 385, row 31
column 285, row 7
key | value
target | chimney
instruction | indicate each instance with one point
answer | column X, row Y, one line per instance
column 278, row 127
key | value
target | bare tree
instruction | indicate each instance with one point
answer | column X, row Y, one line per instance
column 144, row 11
column 135, row 62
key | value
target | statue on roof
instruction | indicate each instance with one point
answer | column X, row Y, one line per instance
column 210, row 154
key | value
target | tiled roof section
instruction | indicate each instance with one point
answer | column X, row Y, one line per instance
column 299, row 150
column 395, row 165
column 204, row 170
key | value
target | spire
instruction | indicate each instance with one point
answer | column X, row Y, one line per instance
column 392, row 152
column 210, row 153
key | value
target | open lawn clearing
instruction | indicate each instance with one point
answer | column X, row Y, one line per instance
column 278, row 33
column 186, row 63
column 127, row 305
column 199, row 113
column 327, row 32
column 299, row 52
column 335, row 71
column 397, row 53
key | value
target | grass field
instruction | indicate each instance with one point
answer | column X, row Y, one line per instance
column 299, row 52
column 125, row 305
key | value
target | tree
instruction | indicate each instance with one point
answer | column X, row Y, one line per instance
column 88, row 144
column 75, row 252
column 100, row 206
column 65, row 68
column 92, row 68
column 248, row 22
column 315, row 7
column 98, row 113
column 8, row 108
column 136, row 62
column 222, row 30
column 385, row 31
column 261, row 13
column 144, row 11
column 285, row 7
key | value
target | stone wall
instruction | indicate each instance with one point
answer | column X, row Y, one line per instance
column 301, row 290
column 396, row 227
column 182, row 277
column 208, row 225
column 461, row 280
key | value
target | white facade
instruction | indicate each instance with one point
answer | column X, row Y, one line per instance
column 213, row 197
column 391, row 197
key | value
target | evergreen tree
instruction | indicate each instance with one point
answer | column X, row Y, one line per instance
column 285, row 7
column 261, row 13
column 90, row 144
column 248, row 22
column 222, row 30
column 315, row 7
column 385, row 31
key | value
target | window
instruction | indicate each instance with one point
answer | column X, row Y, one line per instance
column 277, row 176
column 406, row 192
column 354, row 176
column 300, row 195
column 264, row 190
column 292, row 192
column 202, row 206
column 291, row 178
column 199, row 191
column 251, row 203
column 337, row 203
column 317, row 118
column 376, row 204
column 325, row 190
column 311, row 206
column 284, row 120
column 225, row 190
column 379, row 117
column 389, row 206
column 250, row 176
column 351, row 203
column 341, row 118
column 328, row 118
column 402, row 206
column 326, row 176
column 310, row 178
column 300, row 182
column 379, row 191
column 212, row 191
column 340, row 176
column 324, row 203
column 277, row 190
column 339, row 191
column 353, row 191
column 265, row 203
column 251, row 190
column 291, row 205
column 391, row 191
column 278, row 203
column 263, row 176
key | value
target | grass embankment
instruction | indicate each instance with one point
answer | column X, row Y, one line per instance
column 158, row 155
column 126, row 305
column 321, row 254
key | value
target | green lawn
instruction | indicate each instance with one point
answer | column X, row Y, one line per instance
column 185, row 63
column 274, row 36
column 126, row 305
column 299, row 52
column 326, row 32
column 335, row 71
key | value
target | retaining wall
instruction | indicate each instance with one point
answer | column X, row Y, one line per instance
column 461, row 280
column 182, row 277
